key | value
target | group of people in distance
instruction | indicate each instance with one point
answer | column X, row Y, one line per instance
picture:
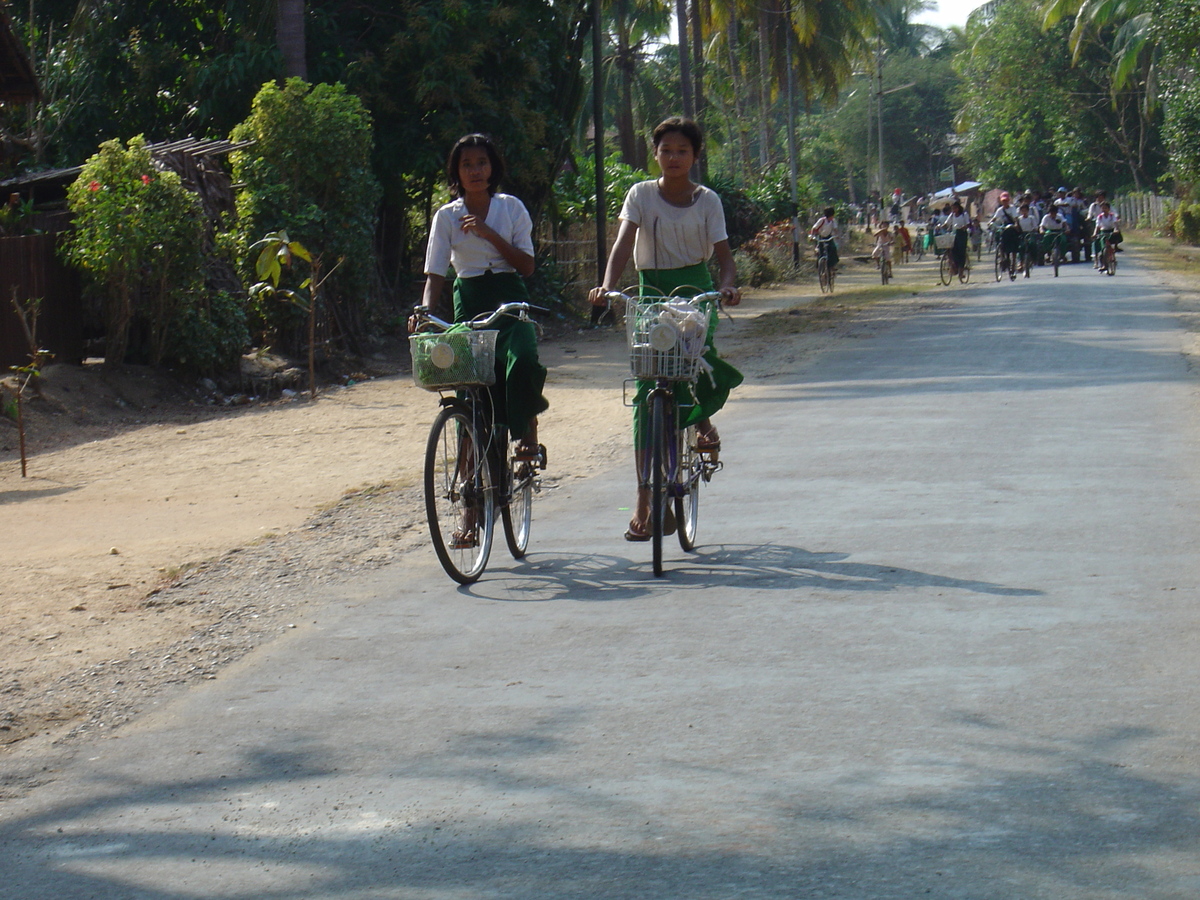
column 1066, row 213
column 1094, row 224
column 670, row 227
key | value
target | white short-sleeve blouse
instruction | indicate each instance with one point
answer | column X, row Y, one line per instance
column 669, row 236
column 470, row 254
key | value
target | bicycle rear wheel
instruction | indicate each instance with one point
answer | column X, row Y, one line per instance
column 661, row 429
column 517, row 514
column 687, row 505
column 459, row 500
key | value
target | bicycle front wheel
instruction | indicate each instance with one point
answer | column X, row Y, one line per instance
column 1110, row 259
column 687, row 504
column 885, row 271
column 944, row 269
column 517, row 514
column 459, row 499
column 999, row 265
column 661, row 428
column 823, row 275
column 1056, row 257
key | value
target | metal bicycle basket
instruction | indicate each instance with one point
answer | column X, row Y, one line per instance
column 454, row 359
column 944, row 241
column 666, row 337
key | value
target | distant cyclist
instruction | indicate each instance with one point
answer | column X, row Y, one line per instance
column 826, row 228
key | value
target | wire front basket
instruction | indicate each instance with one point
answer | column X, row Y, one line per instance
column 666, row 337
column 454, row 359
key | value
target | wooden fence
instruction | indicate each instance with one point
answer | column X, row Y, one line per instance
column 30, row 268
column 1142, row 210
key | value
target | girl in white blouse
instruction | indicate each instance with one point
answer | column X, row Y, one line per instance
column 487, row 237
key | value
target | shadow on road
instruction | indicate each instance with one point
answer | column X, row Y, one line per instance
column 550, row 576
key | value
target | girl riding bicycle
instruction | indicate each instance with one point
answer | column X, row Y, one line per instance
column 671, row 226
column 826, row 228
column 488, row 238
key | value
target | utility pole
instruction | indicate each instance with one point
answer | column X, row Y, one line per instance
column 598, row 142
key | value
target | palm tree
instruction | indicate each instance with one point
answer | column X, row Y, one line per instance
column 289, row 33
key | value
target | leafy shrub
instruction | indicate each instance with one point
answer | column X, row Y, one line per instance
column 309, row 173
column 767, row 257
column 575, row 189
column 137, row 238
column 209, row 335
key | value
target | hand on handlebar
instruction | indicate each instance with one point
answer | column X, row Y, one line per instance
column 732, row 295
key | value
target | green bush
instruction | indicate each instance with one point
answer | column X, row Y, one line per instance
column 309, row 173
column 1183, row 222
column 209, row 335
column 137, row 238
column 575, row 190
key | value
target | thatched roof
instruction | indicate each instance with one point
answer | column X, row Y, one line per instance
column 17, row 81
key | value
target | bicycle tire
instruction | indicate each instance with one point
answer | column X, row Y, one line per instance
column 832, row 277
column 964, row 274
column 1028, row 259
column 458, row 480
column 687, row 505
column 885, row 271
column 517, row 513
column 659, row 465
column 1110, row 260
column 944, row 269
column 1056, row 257
column 823, row 275
column 999, row 265
column 1012, row 267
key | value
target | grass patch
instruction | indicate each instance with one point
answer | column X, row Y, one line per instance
column 1164, row 253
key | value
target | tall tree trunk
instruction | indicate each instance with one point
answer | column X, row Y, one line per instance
column 731, row 41
column 698, row 74
column 633, row 151
column 764, row 90
column 289, row 33
column 685, row 62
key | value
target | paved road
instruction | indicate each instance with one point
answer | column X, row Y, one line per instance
column 940, row 641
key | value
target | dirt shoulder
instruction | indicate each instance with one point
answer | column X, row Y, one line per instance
column 157, row 539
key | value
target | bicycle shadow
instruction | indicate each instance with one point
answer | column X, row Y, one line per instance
column 601, row 577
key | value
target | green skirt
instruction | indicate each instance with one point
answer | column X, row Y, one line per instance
column 517, row 394
column 708, row 395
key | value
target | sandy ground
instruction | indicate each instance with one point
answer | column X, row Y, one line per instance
column 157, row 539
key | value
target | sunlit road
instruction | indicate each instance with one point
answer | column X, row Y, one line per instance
column 940, row 640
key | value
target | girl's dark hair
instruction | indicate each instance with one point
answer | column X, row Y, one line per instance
column 829, row 212
column 494, row 157
column 679, row 125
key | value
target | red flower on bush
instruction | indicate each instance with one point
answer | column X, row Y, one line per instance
column 93, row 186
column 146, row 179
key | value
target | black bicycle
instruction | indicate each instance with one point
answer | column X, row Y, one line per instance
column 471, row 469
column 667, row 342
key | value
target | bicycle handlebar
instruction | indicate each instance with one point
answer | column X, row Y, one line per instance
column 714, row 296
column 518, row 310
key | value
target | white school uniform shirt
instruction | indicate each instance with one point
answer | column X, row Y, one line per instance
column 1049, row 224
column 1027, row 223
column 1094, row 210
column 669, row 236
column 824, row 227
column 1107, row 221
column 470, row 254
column 957, row 220
column 1004, row 215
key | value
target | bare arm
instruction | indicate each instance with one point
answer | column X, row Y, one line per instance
column 727, row 273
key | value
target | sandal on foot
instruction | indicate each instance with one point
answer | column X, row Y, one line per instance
column 638, row 531
column 464, row 540
column 529, row 452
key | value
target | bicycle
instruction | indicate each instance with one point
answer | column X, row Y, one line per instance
column 470, row 468
column 1108, row 254
column 666, row 343
column 945, row 246
column 1029, row 252
column 826, row 274
column 918, row 245
column 885, row 269
column 1054, row 244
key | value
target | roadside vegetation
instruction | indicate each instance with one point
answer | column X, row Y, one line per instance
column 341, row 127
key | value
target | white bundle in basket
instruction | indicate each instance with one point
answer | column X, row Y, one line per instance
column 679, row 322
